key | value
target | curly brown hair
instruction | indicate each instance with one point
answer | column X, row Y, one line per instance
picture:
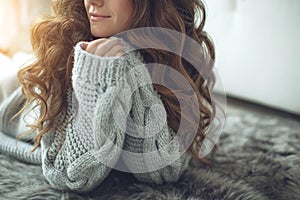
column 44, row 82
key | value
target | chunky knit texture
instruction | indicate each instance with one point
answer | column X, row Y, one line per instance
column 18, row 148
column 114, row 118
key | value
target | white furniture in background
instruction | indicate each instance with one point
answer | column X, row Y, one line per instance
column 258, row 49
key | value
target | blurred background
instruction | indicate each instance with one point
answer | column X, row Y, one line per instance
column 256, row 41
column 258, row 50
column 16, row 17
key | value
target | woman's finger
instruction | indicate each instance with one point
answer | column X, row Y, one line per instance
column 114, row 50
column 84, row 45
column 92, row 46
column 105, row 47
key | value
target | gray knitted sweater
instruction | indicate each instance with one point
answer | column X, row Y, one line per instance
column 114, row 119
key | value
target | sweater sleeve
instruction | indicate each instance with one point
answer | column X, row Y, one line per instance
column 11, row 102
column 94, row 136
column 152, row 150
column 9, row 145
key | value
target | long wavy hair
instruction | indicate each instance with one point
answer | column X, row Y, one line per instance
column 44, row 81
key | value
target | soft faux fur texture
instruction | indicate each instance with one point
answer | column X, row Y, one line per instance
column 258, row 157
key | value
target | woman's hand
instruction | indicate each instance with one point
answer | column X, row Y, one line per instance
column 104, row 47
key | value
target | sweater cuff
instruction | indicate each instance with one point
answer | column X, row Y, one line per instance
column 97, row 70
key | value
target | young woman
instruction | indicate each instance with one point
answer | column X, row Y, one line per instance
column 90, row 99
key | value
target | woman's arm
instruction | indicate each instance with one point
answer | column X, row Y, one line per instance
column 9, row 145
column 93, row 139
column 151, row 149
column 11, row 102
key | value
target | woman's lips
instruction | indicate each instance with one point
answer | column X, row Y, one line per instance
column 98, row 17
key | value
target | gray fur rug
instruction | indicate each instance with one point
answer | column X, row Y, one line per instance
column 258, row 157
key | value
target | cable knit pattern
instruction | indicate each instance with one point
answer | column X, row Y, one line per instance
column 113, row 114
